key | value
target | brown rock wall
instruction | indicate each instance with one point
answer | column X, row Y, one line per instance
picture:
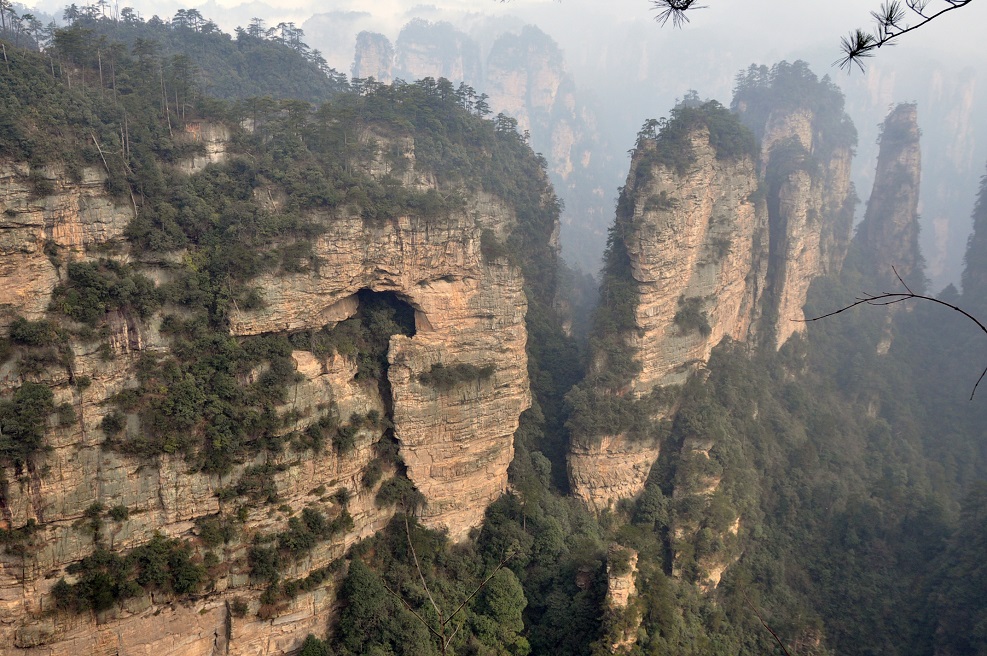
column 695, row 236
column 456, row 443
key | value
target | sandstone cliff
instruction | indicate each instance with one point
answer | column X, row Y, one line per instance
column 454, row 441
column 696, row 256
column 425, row 49
column 810, row 204
column 621, row 591
column 888, row 235
column 711, row 243
column 373, row 57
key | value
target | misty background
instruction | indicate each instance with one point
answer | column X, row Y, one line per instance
column 592, row 72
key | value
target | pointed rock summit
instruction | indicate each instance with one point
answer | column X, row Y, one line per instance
column 888, row 235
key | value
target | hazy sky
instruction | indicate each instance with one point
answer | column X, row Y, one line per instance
column 783, row 22
column 616, row 51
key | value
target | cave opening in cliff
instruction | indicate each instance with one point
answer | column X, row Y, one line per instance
column 381, row 315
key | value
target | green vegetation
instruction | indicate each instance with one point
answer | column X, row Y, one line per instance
column 444, row 378
column 304, row 533
column 399, row 490
column 691, row 317
column 106, row 578
column 784, row 87
column 843, row 488
column 669, row 139
column 93, row 289
column 492, row 620
column 22, row 423
column 256, row 62
column 36, row 345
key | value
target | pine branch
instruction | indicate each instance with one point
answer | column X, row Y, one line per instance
column 890, row 298
column 674, row 10
column 890, row 24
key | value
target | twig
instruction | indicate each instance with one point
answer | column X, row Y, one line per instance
column 765, row 625
column 674, row 10
column 415, row 613
column 890, row 298
column 499, row 567
column 411, row 547
column 440, row 632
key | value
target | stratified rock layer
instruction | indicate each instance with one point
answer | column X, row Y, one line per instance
column 719, row 249
column 612, row 468
column 810, row 204
column 456, row 442
column 888, row 235
column 697, row 243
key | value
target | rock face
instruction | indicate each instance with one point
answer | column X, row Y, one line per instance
column 456, row 442
column 621, row 589
column 810, row 204
column 525, row 74
column 43, row 211
column 696, row 257
column 425, row 49
column 374, row 57
column 888, row 235
column 723, row 248
column 614, row 467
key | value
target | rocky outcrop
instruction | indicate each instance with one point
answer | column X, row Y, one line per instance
column 425, row 49
column 718, row 246
column 213, row 139
column 609, row 469
column 456, row 441
column 810, row 204
column 696, row 255
column 46, row 216
column 374, row 57
column 696, row 250
column 888, row 235
column 621, row 589
column 525, row 74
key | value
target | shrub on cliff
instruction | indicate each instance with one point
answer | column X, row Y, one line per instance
column 691, row 317
column 106, row 578
column 672, row 149
column 445, row 377
column 93, row 289
column 23, row 418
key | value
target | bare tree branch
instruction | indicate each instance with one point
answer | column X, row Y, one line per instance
column 765, row 625
column 411, row 547
column 445, row 640
column 415, row 613
column 890, row 298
